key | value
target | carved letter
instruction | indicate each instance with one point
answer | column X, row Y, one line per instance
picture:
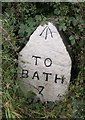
column 24, row 73
column 47, row 75
column 50, row 62
column 62, row 79
column 36, row 75
column 56, row 78
column 36, row 57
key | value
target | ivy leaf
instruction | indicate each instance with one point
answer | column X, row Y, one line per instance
column 72, row 39
column 22, row 29
column 38, row 18
column 62, row 26
column 56, row 12
column 30, row 22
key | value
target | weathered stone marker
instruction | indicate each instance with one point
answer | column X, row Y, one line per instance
column 45, row 64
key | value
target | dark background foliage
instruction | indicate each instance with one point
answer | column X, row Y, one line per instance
column 19, row 22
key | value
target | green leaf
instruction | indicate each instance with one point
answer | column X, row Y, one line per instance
column 72, row 39
column 22, row 29
column 62, row 26
column 30, row 22
column 38, row 18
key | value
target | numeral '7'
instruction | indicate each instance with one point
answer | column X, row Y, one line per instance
column 42, row 88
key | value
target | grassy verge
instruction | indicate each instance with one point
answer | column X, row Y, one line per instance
column 14, row 31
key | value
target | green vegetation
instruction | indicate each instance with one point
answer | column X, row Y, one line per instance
column 19, row 21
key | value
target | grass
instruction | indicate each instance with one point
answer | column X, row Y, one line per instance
column 15, row 104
